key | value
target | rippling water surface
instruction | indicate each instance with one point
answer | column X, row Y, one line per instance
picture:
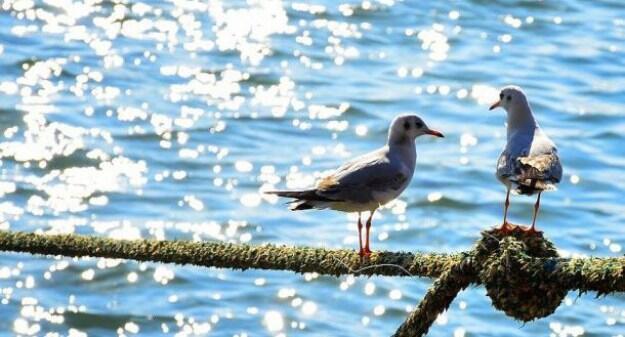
column 166, row 119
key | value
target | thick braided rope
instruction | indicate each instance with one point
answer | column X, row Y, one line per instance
column 522, row 273
column 334, row 262
column 438, row 298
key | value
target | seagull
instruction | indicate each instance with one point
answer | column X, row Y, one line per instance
column 370, row 180
column 529, row 163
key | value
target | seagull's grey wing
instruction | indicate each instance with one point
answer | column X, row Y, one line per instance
column 505, row 166
column 359, row 179
column 542, row 162
column 532, row 166
column 540, row 169
column 544, row 167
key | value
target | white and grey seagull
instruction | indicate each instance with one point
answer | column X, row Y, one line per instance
column 368, row 181
column 529, row 163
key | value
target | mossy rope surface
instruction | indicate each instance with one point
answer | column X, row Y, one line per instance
column 523, row 274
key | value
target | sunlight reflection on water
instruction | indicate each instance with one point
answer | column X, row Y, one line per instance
column 168, row 120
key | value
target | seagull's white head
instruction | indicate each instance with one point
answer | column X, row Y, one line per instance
column 512, row 99
column 407, row 128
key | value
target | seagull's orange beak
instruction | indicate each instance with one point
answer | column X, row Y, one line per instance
column 495, row 105
column 435, row 133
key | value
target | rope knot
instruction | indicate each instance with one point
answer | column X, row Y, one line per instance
column 517, row 282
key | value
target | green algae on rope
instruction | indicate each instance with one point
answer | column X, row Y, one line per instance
column 523, row 276
column 438, row 298
column 522, row 273
column 334, row 262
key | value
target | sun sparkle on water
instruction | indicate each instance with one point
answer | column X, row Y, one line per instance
column 169, row 120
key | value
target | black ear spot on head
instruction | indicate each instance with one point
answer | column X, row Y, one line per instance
column 406, row 125
column 509, row 98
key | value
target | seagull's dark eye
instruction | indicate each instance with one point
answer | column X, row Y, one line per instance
column 419, row 125
column 406, row 125
column 501, row 95
column 509, row 98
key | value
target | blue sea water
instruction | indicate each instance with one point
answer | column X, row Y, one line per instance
column 166, row 119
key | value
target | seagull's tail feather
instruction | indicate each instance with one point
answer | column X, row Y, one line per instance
column 303, row 194
column 529, row 187
column 300, row 205
column 308, row 195
column 305, row 199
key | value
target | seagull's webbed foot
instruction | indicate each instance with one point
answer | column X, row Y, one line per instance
column 530, row 230
column 509, row 228
column 364, row 255
column 367, row 252
column 506, row 228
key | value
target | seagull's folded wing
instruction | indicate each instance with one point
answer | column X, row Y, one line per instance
column 544, row 167
column 359, row 179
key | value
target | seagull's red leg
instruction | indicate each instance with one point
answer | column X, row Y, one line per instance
column 367, row 250
column 504, row 226
column 536, row 207
column 361, row 252
column 506, row 205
